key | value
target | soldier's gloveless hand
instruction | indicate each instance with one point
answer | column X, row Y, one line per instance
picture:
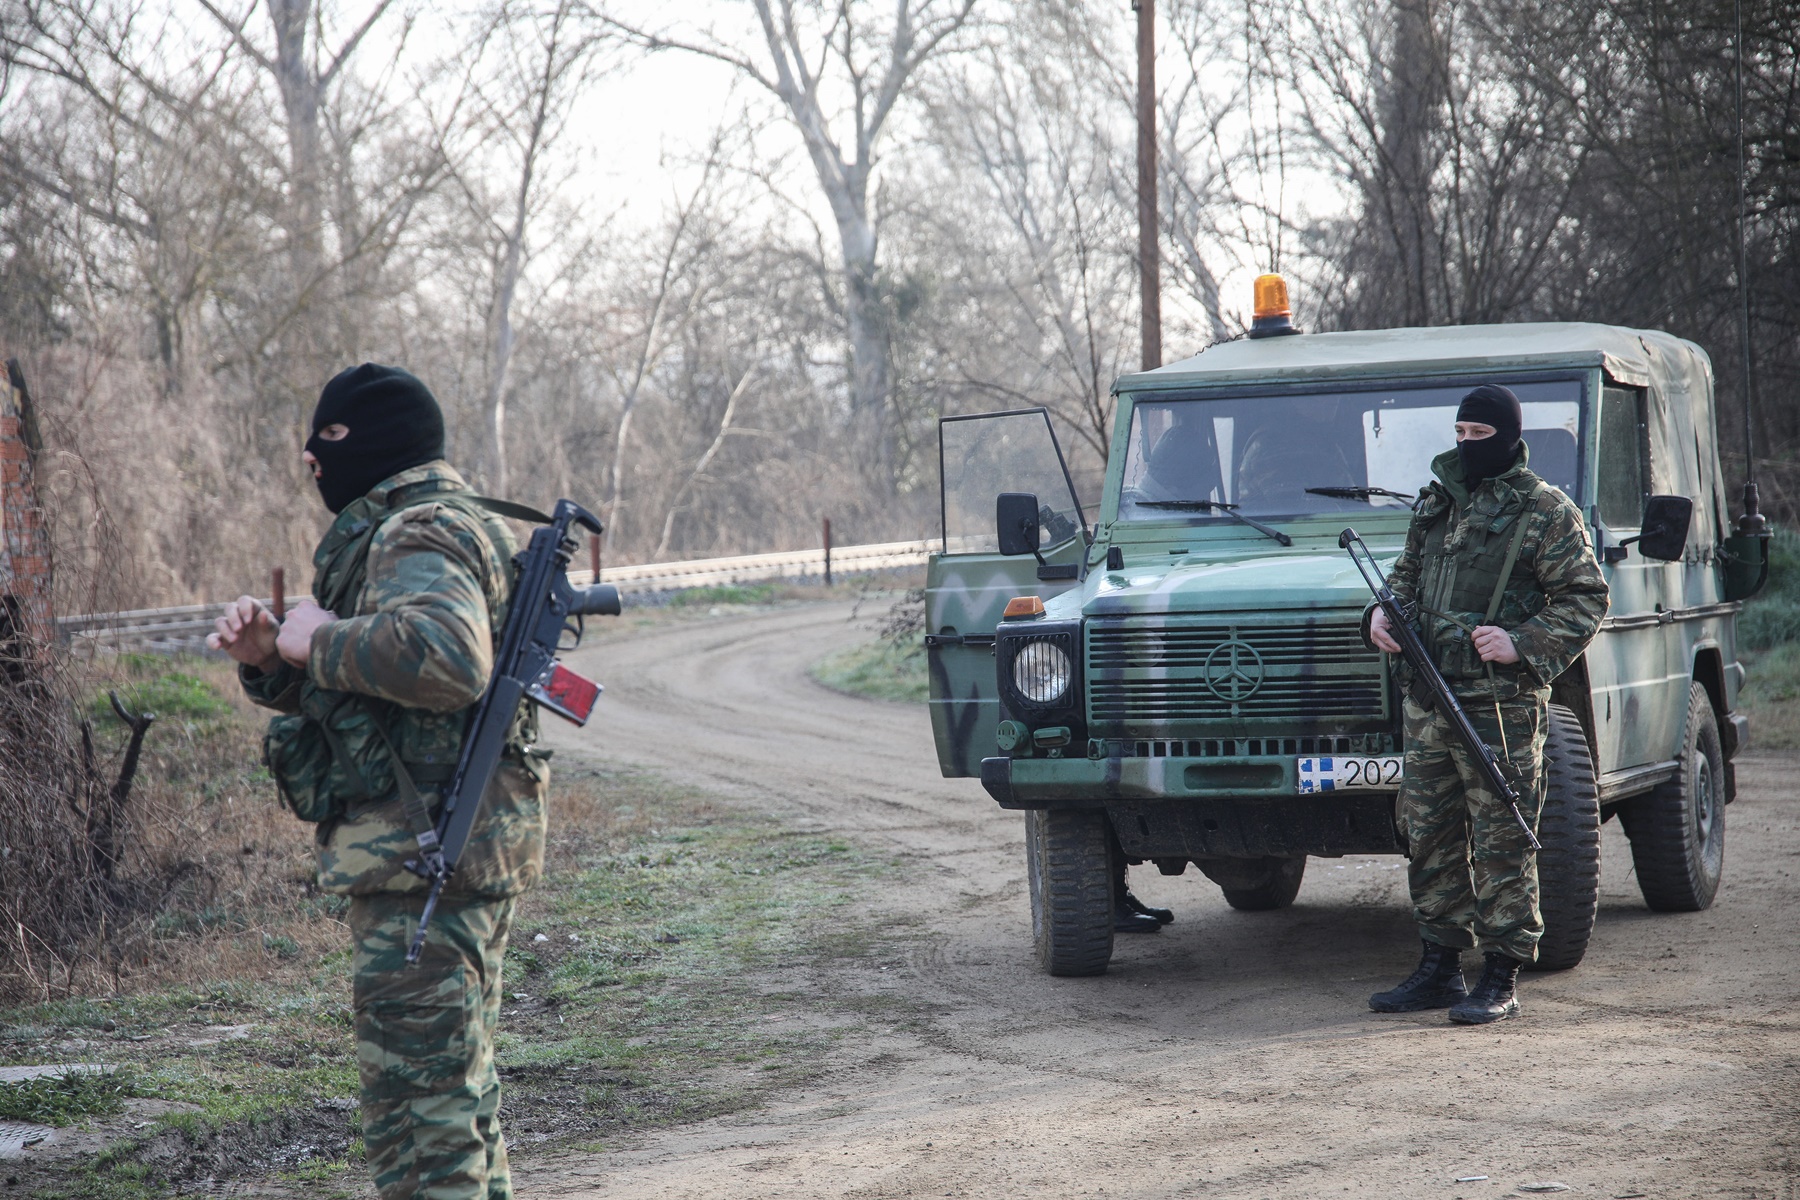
column 295, row 640
column 247, row 632
column 1378, row 632
column 1494, row 644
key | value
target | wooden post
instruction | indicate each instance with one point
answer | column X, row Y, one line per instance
column 594, row 555
column 26, row 623
column 827, row 551
column 1149, row 251
column 278, row 593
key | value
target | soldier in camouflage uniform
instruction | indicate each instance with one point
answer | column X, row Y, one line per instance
column 1509, row 595
column 374, row 684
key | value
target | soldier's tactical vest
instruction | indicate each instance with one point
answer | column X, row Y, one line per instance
column 336, row 755
column 1475, row 569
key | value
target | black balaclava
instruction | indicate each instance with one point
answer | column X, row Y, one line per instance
column 1490, row 404
column 394, row 423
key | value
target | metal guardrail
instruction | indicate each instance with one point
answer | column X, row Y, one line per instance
column 185, row 626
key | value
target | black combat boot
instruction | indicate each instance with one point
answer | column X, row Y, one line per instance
column 1131, row 915
column 1438, row 983
column 1492, row 999
column 1163, row 916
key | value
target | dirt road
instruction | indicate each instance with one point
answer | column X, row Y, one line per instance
column 1231, row 1055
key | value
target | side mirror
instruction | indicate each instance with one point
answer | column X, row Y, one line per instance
column 1666, row 523
column 1016, row 521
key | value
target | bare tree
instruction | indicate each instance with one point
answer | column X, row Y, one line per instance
column 303, row 76
column 1042, row 154
column 815, row 49
column 541, row 60
column 1464, row 170
column 675, row 287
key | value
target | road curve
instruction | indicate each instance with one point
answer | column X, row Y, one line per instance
column 1231, row 1055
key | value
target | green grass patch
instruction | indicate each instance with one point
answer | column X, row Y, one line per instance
column 648, row 981
column 1769, row 642
column 1772, row 618
column 750, row 593
column 173, row 695
column 64, row 1099
column 885, row 669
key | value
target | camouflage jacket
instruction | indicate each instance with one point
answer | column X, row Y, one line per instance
column 1554, row 596
column 420, row 584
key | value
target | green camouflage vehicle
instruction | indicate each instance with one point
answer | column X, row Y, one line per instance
column 1196, row 678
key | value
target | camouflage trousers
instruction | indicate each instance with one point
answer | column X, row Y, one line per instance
column 1473, row 875
column 425, row 1047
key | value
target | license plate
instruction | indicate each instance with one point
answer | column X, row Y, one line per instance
column 1345, row 773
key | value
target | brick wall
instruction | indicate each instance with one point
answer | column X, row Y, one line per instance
column 24, row 542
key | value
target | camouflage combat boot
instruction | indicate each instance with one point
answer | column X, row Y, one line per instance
column 1492, row 999
column 1438, row 983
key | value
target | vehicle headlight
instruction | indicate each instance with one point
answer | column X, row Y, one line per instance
column 1041, row 672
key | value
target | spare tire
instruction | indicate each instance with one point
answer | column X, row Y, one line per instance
column 1256, row 884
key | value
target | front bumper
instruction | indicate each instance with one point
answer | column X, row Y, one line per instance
column 1201, row 808
column 1081, row 782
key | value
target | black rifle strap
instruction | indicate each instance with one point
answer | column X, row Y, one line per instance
column 1493, row 608
column 422, row 493
column 507, row 508
column 1512, row 555
column 418, row 810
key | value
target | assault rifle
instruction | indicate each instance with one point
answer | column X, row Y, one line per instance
column 543, row 607
column 1400, row 624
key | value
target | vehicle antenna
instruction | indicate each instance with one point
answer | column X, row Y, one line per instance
column 1752, row 521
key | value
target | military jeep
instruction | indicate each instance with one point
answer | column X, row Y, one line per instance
column 1185, row 680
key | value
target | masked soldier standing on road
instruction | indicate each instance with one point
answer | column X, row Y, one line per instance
column 1508, row 595
column 375, row 682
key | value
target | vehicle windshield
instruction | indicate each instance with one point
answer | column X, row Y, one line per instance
column 1326, row 452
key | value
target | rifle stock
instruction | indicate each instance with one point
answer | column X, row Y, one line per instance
column 1412, row 647
column 538, row 613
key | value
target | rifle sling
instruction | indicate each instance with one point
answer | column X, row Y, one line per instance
column 418, row 809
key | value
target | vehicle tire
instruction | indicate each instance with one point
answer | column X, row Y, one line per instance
column 1068, row 864
column 1257, row 885
column 1677, row 831
column 1569, row 828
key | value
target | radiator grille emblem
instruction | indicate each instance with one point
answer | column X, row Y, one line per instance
column 1233, row 671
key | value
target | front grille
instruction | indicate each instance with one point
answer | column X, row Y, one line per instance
column 1242, row 747
column 1142, row 674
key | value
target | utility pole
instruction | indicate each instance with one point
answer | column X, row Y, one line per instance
column 1149, row 254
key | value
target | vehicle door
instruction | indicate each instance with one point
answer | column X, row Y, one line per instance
column 969, row 582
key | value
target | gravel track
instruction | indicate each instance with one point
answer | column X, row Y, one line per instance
column 1231, row 1055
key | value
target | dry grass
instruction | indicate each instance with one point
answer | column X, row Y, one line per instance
column 212, row 876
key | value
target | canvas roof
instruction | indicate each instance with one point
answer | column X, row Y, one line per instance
column 1637, row 357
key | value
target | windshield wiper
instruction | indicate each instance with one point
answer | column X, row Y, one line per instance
column 1229, row 510
column 1360, row 493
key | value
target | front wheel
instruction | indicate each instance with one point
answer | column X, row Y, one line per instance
column 1068, row 864
column 1569, row 828
column 1677, row 831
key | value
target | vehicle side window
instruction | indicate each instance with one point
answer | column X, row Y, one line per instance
column 1621, row 461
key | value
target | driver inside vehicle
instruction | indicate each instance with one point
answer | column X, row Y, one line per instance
column 1183, row 461
column 1299, row 444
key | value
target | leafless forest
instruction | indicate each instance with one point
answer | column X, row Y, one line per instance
column 906, row 208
